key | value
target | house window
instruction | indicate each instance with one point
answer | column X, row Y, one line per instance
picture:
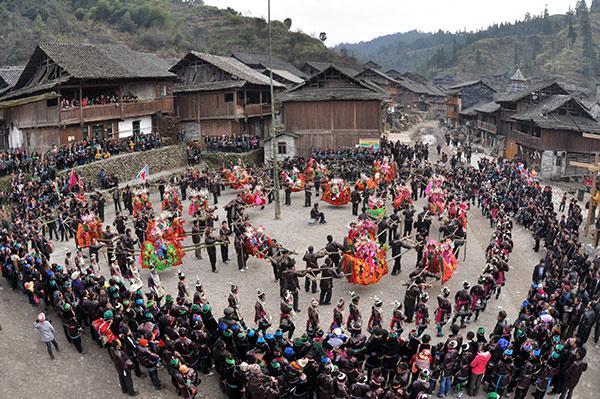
column 228, row 97
column 52, row 102
column 84, row 133
column 135, row 126
column 98, row 131
column 282, row 148
column 163, row 90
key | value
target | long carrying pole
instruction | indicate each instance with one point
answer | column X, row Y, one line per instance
column 277, row 201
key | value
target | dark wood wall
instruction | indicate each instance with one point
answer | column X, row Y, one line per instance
column 332, row 115
column 195, row 106
column 563, row 140
column 331, row 124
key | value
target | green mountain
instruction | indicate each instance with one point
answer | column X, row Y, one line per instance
column 564, row 46
column 167, row 27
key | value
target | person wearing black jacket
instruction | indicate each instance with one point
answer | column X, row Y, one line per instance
column 355, row 198
column 397, row 245
column 210, row 243
column 123, row 365
column 328, row 273
column 333, row 249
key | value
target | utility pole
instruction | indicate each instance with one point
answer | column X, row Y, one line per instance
column 277, row 206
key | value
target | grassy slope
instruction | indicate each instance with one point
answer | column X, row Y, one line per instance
column 187, row 27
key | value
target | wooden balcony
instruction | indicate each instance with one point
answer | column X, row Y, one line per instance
column 527, row 140
column 487, row 126
column 256, row 110
column 95, row 113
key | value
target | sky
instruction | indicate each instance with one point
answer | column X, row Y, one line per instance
column 350, row 21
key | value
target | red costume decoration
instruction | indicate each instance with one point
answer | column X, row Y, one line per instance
column 439, row 257
column 295, row 180
column 141, row 202
column 254, row 196
column 91, row 227
column 365, row 263
column 237, row 177
column 171, row 202
column 257, row 243
column 336, row 192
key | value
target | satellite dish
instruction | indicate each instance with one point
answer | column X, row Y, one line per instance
column 322, row 36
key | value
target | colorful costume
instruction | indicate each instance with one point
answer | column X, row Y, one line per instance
column 237, row 177
column 91, row 227
column 171, row 202
column 384, row 169
column 141, row 202
column 254, row 196
column 366, row 183
column 198, row 201
column 365, row 263
column 256, row 241
column 162, row 248
column 295, row 180
column 403, row 197
column 436, row 195
column 439, row 257
column 336, row 192
column 376, row 208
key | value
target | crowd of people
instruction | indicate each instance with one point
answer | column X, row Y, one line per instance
column 541, row 350
column 66, row 156
column 231, row 143
column 97, row 100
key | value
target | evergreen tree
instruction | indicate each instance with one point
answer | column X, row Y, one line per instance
column 478, row 59
column 516, row 57
column 586, row 33
column 572, row 35
column 595, row 7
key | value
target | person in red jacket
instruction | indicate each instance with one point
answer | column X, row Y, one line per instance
column 478, row 366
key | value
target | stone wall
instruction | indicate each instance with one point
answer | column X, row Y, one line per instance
column 217, row 159
column 126, row 166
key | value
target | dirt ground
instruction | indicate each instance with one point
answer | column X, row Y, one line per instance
column 27, row 372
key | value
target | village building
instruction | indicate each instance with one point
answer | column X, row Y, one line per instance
column 518, row 82
column 371, row 64
column 416, row 93
column 332, row 109
column 71, row 92
column 9, row 77
column 217, row 95
column 548, row 127
column 261, row 62
column 283, row 71
column 384, row 81
column 310, row 68
column 285, row 146
column 465, row 95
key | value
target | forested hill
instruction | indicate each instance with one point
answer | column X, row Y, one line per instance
column 565, row 46
column 167, row 27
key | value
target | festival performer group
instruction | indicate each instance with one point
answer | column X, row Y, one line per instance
column 540, row 350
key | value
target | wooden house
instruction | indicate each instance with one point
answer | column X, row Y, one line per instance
column 415, row 93
column 332, row 109
column 371, row 64
column 70, row 92
column 386, row 82
column 261, row 63
column 487, row 132
column 218, row 95
column 310, row 68
column 553, row 131
column 9, row 76
column 465, row 95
